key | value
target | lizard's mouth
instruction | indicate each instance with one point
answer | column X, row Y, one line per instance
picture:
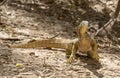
column 83, row 29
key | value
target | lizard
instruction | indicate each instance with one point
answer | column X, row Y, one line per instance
column 83, row 44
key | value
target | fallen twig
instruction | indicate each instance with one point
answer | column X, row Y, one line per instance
column 108, row 24
column 11, row 38
column 54, row 36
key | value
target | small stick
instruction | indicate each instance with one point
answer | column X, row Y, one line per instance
column 11, row 38
column 54, row 36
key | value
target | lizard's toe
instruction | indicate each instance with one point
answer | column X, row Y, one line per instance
column 70, row 60
column 96, row 58
column 67, row 56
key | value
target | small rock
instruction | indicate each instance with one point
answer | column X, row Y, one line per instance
column 32, row 53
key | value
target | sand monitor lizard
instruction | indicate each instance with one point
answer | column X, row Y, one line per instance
column 83, row 44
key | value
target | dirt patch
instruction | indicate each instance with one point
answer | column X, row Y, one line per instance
column 44, row 63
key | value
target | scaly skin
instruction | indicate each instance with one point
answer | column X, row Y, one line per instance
column 51, row 43
column 84, row 44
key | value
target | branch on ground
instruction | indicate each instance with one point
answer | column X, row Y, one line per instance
column 111, row 22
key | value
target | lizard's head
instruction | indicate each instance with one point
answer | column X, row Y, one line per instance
column 83, row 27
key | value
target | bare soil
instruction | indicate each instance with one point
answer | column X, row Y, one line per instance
column 45, row 63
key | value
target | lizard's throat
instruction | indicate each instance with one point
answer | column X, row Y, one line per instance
column 82, row 35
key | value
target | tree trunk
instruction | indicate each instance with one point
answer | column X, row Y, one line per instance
column 117, row 10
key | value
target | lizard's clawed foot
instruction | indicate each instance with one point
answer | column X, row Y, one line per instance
column 67, row 56
column 95, row 57
column 70, row 60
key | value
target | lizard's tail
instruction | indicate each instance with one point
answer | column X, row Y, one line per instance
column 51, row 43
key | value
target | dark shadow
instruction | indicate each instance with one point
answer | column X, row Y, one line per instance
column 116, row 29
column 2, row 2
column 35, row 10
column 64, row 14
column 91, row 65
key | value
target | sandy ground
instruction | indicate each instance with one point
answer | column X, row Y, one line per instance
column 44, row 63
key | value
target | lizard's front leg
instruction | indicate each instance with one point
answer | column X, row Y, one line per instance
column 69, row 50
column 68, row 53
column 72, row 56
column 93, row 53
